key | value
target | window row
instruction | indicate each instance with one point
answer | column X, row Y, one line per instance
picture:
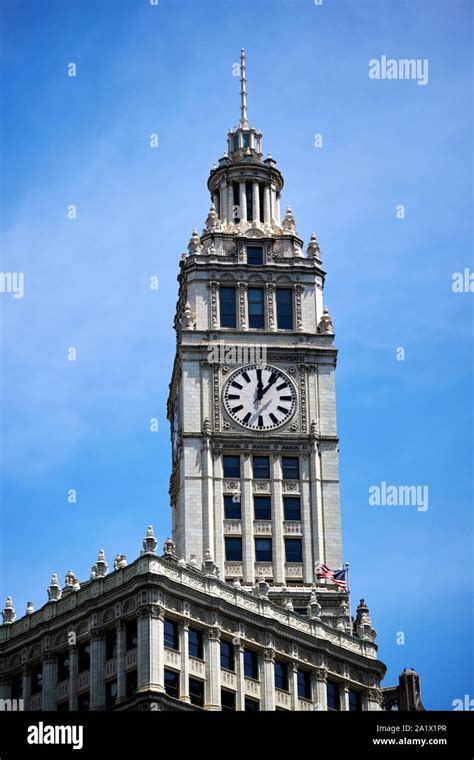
column 262, row 508
column 256, row 307
column 261, row 467
column 264, row 549
column 196, row 693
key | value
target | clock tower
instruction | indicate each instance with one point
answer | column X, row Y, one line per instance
column 255, row 485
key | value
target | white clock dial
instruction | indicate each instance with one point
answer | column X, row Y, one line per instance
column 260, row 397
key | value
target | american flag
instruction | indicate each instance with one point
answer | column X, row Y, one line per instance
column 336, row 576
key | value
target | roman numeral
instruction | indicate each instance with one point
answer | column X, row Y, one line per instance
column 260, row 420
column 247, row 417
column 283, row 398
column 282, row 385
column 237, row 385
column 246, row 377
column 273, row 418
column 282, row 409
column 236, row 408
column 235, row 396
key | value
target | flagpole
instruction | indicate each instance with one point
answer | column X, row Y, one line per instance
column 346, row 568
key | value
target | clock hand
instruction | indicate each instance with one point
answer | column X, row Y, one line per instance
column 272, row 380
column 259, row 383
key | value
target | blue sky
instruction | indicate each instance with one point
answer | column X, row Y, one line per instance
column 85, row 141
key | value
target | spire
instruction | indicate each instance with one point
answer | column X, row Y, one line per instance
column 243, row 91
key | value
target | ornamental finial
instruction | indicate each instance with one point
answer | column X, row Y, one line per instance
column 243, row 91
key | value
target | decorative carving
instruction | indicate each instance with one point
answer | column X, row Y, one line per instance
column 289, row 224
column 270, row 287
column 241, row 252
column 326, row 325
column 194, row 245
column 212, row 221
column 313, row 250
column 303, row 407
column 243, row 287
column 213, row 288
column 215, row 397
column 187, row 321
column 299, row 290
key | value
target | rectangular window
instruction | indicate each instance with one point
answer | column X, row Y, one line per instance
column 261, row 467
column 195, row 643
column 262, row 507
column 233, row 549
column 332, row 689
column 304, row 684
column 63, row 666
column 245, row 140
column 231, row 466
column 131, row 683
column 263, row 549
column 291, row 468
column 227, row 700
column 84, row 657
column 251, row 664
column 251, row 704
column 232, row 510
column 236, row 142
column 171, row 635
column 354, row 701
column 83, row 701
column 227, row 306
column 110, row 644
column 255, row 301
column 293, row 550
column 281, row 675
column 227, row 655
column 131, row 635
column 172, row 683
column 292, row 507
column 196, row 692
column 284, row 304
column 255, row 255
column 110, row 693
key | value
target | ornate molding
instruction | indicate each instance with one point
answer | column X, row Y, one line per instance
column 303, row 404
column 215, row 397
column 243, row 287
column 299, row 290
column 270, row 289
column 213, row 285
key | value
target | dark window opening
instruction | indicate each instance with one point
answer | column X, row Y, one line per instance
column 255, row 303
column 292, row 507
column 84, row 657
column 355, row 702
column 232, row 510
column 284, row 304
column 227, row 306
column 291, row 468
column 261, row 467
column 63, row 666
column 171, row 634
column 172, row 683
column 227, row 655
column 196, row 692
column 110, row 645
column 304, row 684
column 131, row 634
column 83, row 701
column 131, row 683
column 262, row 507
column 263, row 549
column 294, row 550
column 332, row 689
column 281, row 675
column 195, row 643
column 231, row 467
column 255, row 255
column 233, row 549
column 110, row 693
column 227, row 700
column 251, row 664
column 251, row 704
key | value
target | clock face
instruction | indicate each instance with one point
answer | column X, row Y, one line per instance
column 260, row 397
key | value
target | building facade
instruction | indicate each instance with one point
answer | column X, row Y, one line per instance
column 233, row 615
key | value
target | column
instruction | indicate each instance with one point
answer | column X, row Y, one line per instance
column 242, row 202
column 271, row 307
column 215, row 200
column 308, row 563
column 255, row 202
column 97, row 674
column 268, row 679
column 370, row 700
column 321, row 695
column 73, row 672
column 207, row 498
column 344, row 696
column 316, row 504
column 150, row 648
column 242, row 320
column 120, row 662
column 230, row 202
column 278, row 215
column 277, row 522
column 293, row 678
column 266, row 204
column 239, row 664
column 50, row 679
column 223, row 202
column 27, row 689
column 184, row 649
column 246, row 503
column 212, row 641
column 218, row 515
column 273, row 203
